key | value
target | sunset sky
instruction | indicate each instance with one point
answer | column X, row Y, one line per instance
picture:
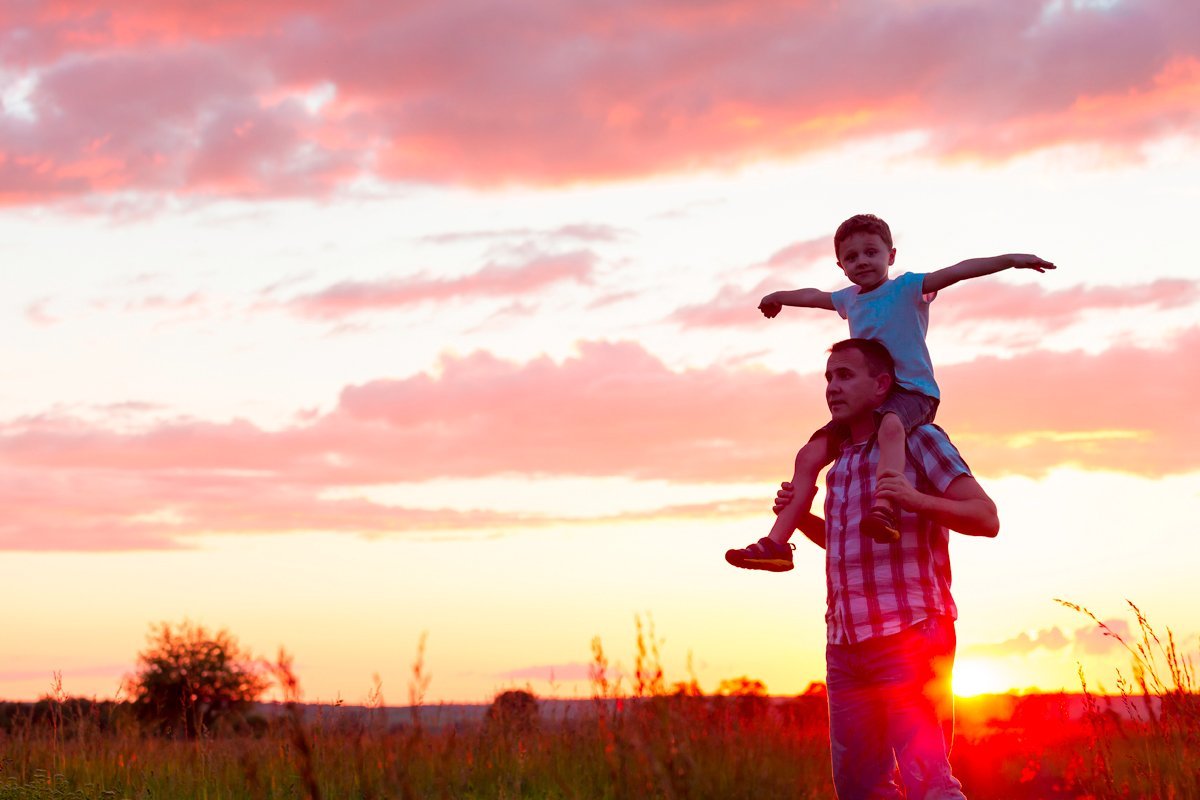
column 337, row 324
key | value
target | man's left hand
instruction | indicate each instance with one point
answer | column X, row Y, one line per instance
column 895, row 488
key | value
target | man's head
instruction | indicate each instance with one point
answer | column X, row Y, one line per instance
column 863, row 246
column 858, row 376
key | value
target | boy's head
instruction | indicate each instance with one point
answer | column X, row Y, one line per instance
column 863, row 245
column 861, row 223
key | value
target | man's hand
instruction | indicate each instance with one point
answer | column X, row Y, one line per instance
column 1028, row 261
column 811, row 526
column 769, row 306
column 895, row 488
column 786, row 494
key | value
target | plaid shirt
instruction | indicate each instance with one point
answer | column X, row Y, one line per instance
column 880, row 589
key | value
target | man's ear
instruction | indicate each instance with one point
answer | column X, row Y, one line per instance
column 884, row 382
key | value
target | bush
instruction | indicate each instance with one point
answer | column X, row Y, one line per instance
column 514, row 711
column 188, row 680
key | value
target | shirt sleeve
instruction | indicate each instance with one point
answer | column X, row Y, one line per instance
column 913, row 284
column 936, row 456
column 841, row 299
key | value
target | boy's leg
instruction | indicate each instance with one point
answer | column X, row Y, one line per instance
column 810, row 460
column 773, row 552
column 882, row 524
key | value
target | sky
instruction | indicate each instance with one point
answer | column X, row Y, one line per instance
column 426, row 332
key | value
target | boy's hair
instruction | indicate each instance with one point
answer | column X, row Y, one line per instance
column 878, row 357
column 861, row 223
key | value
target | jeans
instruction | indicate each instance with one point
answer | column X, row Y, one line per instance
column 890, row 703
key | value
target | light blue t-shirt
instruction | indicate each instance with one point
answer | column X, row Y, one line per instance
column 897, row 314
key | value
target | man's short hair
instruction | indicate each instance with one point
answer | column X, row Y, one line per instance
column 878, row 357
column 861, row 223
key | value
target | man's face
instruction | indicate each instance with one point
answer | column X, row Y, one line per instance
column 850, row 390
column 865, row 259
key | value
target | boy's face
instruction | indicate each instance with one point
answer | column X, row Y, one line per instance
column 865, row 259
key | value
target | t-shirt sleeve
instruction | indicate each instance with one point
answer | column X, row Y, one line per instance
column 936, row 456
column 841, row 298
column 913, row 284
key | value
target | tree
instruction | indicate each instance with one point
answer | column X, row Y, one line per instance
column 188, row 679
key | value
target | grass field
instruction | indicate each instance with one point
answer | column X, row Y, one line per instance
column 643, row 740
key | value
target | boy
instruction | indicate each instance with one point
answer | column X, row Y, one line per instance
column 895, row 312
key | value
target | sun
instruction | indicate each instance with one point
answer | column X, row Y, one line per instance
column 974, row 676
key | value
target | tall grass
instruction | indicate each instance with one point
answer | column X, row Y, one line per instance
column 643, row 737
column 1153, row 748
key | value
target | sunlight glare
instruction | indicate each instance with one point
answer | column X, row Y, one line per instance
column 975, row 676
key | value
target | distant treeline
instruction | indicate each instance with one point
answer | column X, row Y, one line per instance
column 72, row 716
column 69, row 712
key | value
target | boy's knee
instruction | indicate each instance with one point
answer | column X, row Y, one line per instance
column 812, row 456
column 890, row 425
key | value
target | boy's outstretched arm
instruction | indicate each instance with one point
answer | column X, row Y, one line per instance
column 978, row 267
column 773, row 303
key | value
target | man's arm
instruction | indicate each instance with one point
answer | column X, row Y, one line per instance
column 964, row 506
column 813, row 527
column 773, row 303
column 978, row 267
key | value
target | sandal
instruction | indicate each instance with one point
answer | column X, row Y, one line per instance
column 881, row 525
column 766, row 554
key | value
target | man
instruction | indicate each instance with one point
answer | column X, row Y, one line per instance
column 889, row 614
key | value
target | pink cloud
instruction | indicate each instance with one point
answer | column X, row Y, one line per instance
column 804, row 253
column 732, row 306
column 1023, row 643
column 493, row 281
column 612, row 410
column 1096, row 641
column 570, row 671
column 96, row 670
column 153, row 508
column 210, row 98
column 1051, row 309
column 38, row 313
column 158, row 302
column 1125, row 409
column 189, row 119
column 580, row 232
column 1093, row 640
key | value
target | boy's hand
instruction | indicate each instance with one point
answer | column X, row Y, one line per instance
column 1029, row 261
column 769, row 306
column 895, row 488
